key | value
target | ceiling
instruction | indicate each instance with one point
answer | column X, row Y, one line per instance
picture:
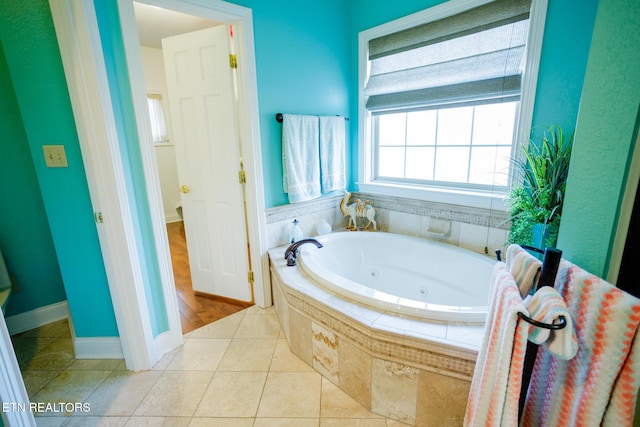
column 155, row 23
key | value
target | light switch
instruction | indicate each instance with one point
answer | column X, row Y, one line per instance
column 55, row 156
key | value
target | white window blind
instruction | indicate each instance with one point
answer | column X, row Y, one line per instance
column 472, row 57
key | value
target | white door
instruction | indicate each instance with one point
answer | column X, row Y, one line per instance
column 201, row 98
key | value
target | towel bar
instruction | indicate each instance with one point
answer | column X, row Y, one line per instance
column 552, row 326
column 280, row 117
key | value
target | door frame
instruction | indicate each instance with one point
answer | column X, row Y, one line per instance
column 83, row 60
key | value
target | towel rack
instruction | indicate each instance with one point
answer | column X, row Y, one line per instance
column 280, row 117
column 548, row 271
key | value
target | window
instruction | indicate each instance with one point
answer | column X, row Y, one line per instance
column 446, row 94
column 159, row 130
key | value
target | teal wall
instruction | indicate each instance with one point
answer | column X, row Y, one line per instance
column 303, row 66
column 25, row 238
column 605, row 137
column 36, row 75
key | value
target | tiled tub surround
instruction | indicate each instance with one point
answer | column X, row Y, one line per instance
column 470, row 228
column 416, row 371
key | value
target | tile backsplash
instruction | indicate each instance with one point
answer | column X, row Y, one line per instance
column 471, row 228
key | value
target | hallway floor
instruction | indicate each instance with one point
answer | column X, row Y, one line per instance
column 237, row 371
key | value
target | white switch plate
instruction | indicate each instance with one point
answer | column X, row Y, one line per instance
column 55, row 156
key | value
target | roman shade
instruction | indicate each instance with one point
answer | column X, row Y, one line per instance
column 471, row 57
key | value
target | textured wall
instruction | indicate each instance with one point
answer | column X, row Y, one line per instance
column 605, row 137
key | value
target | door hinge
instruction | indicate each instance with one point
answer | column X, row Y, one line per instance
column 250, row 277
column 233, row 60
column 242, row 177
column 97, row 216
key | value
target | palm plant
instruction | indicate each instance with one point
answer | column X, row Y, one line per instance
column 537, row 204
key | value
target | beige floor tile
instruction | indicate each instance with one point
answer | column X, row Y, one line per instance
column 94, row 422
column 286, row 422
column 260, row 325
column 221, row 422
column 232, row 394
column 285, row 360
column 95, row 364
column 27, row 348
column 122, row 392
column 162, row 364
column 248, row 355
column 158, row 422
column 291, row 394
column 337, row 404
column 69, row 386
column 34, row 381
column 352, row 422
column 223, row 328
column 51, row 421
column 175, row 394
column 199, row 355
column 52, row 330
column 55, row 356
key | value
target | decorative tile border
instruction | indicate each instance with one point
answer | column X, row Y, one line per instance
column 483, row 217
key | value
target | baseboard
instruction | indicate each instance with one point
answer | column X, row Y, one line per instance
column 172, row 218
column 39, row 317
column 98, row 348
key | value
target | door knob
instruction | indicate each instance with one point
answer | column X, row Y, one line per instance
column 185, row 189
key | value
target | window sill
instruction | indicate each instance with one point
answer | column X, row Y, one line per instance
column 469, row 198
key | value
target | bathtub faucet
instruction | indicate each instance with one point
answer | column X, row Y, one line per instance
column 290, row 253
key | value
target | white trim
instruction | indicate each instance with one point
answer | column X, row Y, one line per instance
column 38, row 317
column 12, row 389
column 242, row 19
column 80, row 47
column 529, row 82
column 98, row 348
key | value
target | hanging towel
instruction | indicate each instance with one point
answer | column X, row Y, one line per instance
column 495, row 387
column 524, row 267
column 599, row 385
column 332, row 153
column 300, row 157
column 547, row 306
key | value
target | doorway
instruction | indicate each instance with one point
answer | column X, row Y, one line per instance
column 208, row 285
column 87, row 80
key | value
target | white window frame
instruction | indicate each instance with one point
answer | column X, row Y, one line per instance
column 472, row 198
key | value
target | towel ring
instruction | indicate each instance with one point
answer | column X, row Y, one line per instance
column 554, row 326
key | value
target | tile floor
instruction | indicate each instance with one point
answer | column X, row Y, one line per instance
column 237, row 371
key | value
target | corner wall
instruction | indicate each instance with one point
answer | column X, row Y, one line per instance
column 605, row 138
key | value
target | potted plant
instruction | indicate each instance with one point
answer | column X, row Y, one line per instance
column 535, row 207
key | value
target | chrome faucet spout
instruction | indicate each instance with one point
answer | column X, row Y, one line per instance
column 291, row 252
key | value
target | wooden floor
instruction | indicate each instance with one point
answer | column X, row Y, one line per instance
column 195, row 310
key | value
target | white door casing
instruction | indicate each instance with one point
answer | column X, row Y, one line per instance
column 201, row 99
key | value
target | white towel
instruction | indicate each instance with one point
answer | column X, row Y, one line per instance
column 495, row 387
column 332, row 153
column 300, row 157
column 547, row 306
column 524, row 267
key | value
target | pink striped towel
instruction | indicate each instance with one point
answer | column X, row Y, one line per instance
column 547, row 306
column 599, row 386
column 495, row 387
column 524, row 267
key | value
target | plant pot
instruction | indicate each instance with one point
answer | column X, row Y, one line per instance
column 540, row 235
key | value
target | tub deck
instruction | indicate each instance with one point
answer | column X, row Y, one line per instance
column 387, row 362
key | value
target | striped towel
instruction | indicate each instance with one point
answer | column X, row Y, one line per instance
column 547, row 306
column 495, row 387
column 599, row 385
column 524, row 267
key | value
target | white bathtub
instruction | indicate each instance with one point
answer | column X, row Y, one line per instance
column 402, row 274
